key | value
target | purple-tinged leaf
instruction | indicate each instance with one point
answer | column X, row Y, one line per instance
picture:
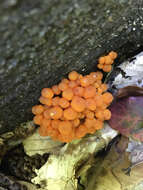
column 127, row 116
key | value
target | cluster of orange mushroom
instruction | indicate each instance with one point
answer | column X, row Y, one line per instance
column 105, row 62
column 75, row 107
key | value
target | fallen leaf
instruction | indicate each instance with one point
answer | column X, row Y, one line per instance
column 127, row 116
column 129, row 91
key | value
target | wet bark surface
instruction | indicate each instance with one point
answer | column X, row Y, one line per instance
column 42, row 41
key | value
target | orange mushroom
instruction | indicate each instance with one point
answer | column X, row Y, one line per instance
column 45, row 101
column 105, row 62
column 73, row 75
column 56, row 90
column 64, row 103
column 47, row 93
column 55, row 112
column 76, row 106
column 38, row 109
column 70, row 114
column 67, row 94
column 38, row 119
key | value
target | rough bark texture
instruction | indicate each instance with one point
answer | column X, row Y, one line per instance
column 41, row 41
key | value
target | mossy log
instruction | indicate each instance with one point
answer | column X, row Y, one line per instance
column 41, row 41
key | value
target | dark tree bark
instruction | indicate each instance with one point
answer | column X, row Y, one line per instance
column 41, row 41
